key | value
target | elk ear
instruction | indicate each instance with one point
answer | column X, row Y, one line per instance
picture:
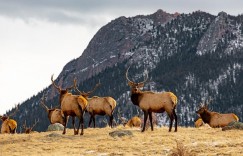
column 140, row 85
column 130, row 83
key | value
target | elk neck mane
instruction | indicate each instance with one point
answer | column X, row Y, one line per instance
column 206, row 116
column 135, row 97
column 62, row 96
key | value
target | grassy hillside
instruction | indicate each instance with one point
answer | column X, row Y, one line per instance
column 190, row 141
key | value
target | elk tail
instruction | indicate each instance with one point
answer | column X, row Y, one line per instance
column 236, row 117
column 82, row 102
column 173, row 99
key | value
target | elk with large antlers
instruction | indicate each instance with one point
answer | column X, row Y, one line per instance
column 9, row 125
column 150, row 102
column 55, row 115
column 215, row 119
column 71, row 105
column 98, row 105
column 28, row 130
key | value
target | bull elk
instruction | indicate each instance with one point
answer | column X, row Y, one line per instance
column 71, row 105
column 55, row 115
column 29, row 129
column 149, row 102
column 215, row 119
column 9, row 125
column 98, row 105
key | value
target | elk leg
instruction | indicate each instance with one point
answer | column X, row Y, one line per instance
column 90, row 120
column 74, row 128
column 111, row 119
column 175, row 120
column 65, row 124
column 93, row 120
column 151, row 121
column 171, row 115
column 82, row 125
column 145, row 120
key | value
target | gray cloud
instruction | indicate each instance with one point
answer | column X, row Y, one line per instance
column 83, row 11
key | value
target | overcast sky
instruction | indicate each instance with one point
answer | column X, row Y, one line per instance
column 38, row 37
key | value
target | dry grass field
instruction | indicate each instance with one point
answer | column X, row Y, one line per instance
column 187, row 141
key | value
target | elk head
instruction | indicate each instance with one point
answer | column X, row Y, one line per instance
column 203, row 107
column 86, row 94
column 28, row 130
column 61, row 90
column 135, row 87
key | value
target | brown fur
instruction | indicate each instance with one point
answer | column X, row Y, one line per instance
column 134, row 122
column 55, row 115
column 153, row 102
column 101, row 106
column 8, row 125
column 71, row 105
column 215, row 119
column 198, row 123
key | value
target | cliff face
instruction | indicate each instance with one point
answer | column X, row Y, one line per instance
column 195, row 55
column 114, row 43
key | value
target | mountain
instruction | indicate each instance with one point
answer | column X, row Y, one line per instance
column 197, row 56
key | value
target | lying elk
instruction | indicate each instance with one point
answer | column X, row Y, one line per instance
column 55, row 115
column 135, row 121
column 28, row 130
column 71, row 105
column 215, row 119
column 98, row 105
column 9, row 125
column 153, row 102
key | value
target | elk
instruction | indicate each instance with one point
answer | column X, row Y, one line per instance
column 98, row 105
column 135, row 121
column 149, row 102
column 9, row 125
column 71, row 105
column 215, row 119
column 198, row 122
column 55, row 115
column 28, row 130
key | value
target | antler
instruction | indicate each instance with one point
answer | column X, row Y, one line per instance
column 43, row 102
column 53, row 83
column 145, row 79
column 127, row 76
column 74, row 82
column 34, row 124
column 96, row 86
column 208, row 102
column 89, row 92
column 75, row 87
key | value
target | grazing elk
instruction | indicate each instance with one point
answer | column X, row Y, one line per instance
column 215, row 119
column 98, row 105
column 55, row 115
column 9, row 125
column 150, row 102
column 71, row 105
column 28, row 130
